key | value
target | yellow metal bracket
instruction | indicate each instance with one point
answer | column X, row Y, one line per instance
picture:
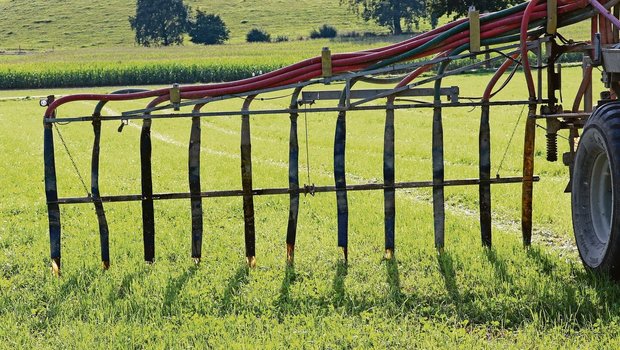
column 552, row 16
column 474, row 30
column 326, row 62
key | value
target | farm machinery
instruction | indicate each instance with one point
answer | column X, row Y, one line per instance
column 524, row 36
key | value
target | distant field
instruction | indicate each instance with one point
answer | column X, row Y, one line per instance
column 186, row 64
column 468, row 297
column 93, row 46
column 42, row 24
column 241, row 53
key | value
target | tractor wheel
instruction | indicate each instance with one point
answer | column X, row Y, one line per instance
column 596, row 192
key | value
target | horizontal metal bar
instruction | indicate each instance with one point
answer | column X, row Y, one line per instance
column 280, row 191
column 564, row 115
column 287, row 111
column 359, row 94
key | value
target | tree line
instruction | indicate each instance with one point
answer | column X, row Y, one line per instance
column 394, row 13
column 164, row 22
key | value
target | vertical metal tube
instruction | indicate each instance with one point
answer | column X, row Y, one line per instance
column 246, row 180
column 528, row 175
column 484, row 141
column 148, row 216
column 293, row 180
column 94, row 187
column 194, row 188
column 389, row 193
column 439, row 214
column 51, row 193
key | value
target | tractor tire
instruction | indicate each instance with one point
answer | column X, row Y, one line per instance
column 595, row 197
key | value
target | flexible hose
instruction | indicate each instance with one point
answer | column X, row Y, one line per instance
column 452, row 37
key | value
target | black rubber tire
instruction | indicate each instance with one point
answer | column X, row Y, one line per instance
column 595, row 195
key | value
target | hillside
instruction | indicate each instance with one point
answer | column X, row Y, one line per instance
column 47, row 25
column 76, row 43
column 42, row 24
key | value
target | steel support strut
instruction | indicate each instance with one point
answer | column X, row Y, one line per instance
column 104, row 232
column 439, row 214
column 194, row 188
column 246, row 180
column 148, row 215
column 528, row 175
column 439, row 210
column 293, row 179
column 51, row 193
column 389, row 193
column 484, row 141
column 340, row 140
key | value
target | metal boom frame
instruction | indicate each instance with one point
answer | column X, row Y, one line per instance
column 349, row 100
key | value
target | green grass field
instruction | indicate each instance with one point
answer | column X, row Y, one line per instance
column 62, row 49
column 469, row 297
column 82, row 24
column 109, row 62
column 40, row 25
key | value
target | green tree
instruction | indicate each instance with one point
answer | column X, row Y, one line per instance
column 459, row 8
column 388, row 13
column 159, row 22
column 207, row 29
column 257, row 35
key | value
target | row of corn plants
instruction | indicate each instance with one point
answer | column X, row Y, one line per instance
column 110, row 75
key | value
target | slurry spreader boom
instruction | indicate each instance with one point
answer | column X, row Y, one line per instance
column 515, row 35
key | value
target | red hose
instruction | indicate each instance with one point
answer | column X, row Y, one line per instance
column 311, row 68
column 527, row 70
column 502, row 69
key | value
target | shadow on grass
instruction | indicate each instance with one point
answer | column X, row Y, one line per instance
column 338, row 285
column 174, row 287
column 446, row 267
column 500, row 266
column 395, row 294
column 125, row 287
column 238, row 280
column 78, row 283
column 285, row 303
column 538, row 286
column 544, row 263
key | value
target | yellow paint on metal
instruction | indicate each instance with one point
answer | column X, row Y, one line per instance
column 552, row 16
column 474, row 30
column 326, row 62
column 175, row 95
